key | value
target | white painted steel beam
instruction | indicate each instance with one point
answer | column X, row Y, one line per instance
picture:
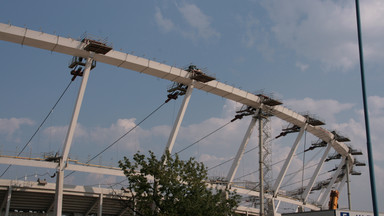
column 320, row 195
column 69, row 138
column 79, row 190
column 315, row 174
column 73, row 47
column 333, row 180
column 9, row 196
column 277, row 206
column 341, row 185
column 58, row 208
column 100, row 212
column 179, row 119
column 29, row 163
column 243, row 209
column 98, row 170
column 75, row 115
column 53, row 165
column 288, row 161
column 243, row 191
column 240, row 151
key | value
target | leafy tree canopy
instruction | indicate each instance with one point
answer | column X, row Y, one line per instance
column 171, row 186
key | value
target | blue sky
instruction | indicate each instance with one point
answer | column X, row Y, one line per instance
column 303, row 52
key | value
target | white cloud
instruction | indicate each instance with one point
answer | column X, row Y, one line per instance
column 325, row 109
column 106, row 136
column 376, row 105
column 251, row 30
column 200, row 22
column 255, row 35
column 196, row 25
column 10, row 126
column 326, row 30
column 301, row 66
column 224, row 144
column 355, row 128
column 100, row 180
column 166, row 25
column 59, row 132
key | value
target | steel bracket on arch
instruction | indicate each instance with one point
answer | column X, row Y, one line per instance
column 180, row 116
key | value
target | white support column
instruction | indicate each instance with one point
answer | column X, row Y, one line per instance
column 69, row 138
column 240, row 152
column 180, row 116
column 100, row 213
column 271, row 207
column 320, row 195
column 288, row 161
column 8, row 201
column 59, row 193
column 333, row 180
column 315, row 174
column 277, row 206
column 342, row 184
column 76, row 112
column 348, row 186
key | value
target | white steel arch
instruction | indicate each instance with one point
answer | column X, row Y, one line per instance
column 73, row 47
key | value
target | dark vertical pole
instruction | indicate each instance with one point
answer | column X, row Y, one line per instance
column 366, row 117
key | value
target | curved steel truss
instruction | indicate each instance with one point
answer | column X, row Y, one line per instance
column 195, row 80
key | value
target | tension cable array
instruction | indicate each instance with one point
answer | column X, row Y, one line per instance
column 246, row 112
column 129, row 131
column 231, row 159
column 42, row 123
column 204, row 137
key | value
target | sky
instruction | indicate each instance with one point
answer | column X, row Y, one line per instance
column 303, row 53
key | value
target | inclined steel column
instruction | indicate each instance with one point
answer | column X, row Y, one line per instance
column 9, row 195
column 100, row 212
column 348, row 186
column 277, row 206
column 315, row 174
column 240, row 152
column 69, row 138
column 58, row 208
column 180, row 116
column 333, row 180
column 340, row 187
column 288, row 161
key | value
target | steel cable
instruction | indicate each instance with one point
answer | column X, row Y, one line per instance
column 121, row 137
column 203, row 137
column 42, row 123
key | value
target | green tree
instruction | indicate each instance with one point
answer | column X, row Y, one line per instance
column 171, row 186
